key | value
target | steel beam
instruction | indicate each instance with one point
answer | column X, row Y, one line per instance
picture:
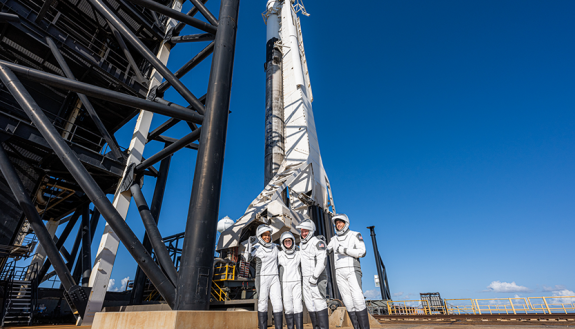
column 205, row 12
column 86, row 246
column 192, row 38
column 6, row 17
column 162, row 128
column 153, row 234
column 29, row 210
column 156, row 207
column 170, row 140
column 128, row 55
column 203, row 54
column 178, row 15
column 85, row 101
column 88, row 185
column 180, row 26
column 63, row 237
column 145, row 52
column 168, row 151
column 101, row 93
column 195, row 276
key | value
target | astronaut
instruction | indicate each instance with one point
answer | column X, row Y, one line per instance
column 348, row 247
column 290, row 278
column 313, row 261
column 267, row 281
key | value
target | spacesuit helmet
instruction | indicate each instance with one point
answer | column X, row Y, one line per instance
column 343, row 218
column 261, row 230
column 307, row 225
column 287, row 235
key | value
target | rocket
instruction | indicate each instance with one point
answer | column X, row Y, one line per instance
column 296, row 184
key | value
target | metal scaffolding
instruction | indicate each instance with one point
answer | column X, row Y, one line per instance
column 73, row 72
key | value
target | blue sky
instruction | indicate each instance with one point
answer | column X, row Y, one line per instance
column 449, row 125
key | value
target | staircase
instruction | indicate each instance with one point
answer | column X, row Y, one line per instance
column 20, row 295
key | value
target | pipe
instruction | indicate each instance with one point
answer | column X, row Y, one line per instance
column 153, row 234
column 205, row 12
column 192, row 38
column 156, row 207
column 128, row 55
column 6, row 17
column 88, row 185
column 167, row 151
column 101, row 93
column 190, row 13
column 60, row 243
column 203, row 54
column 162, row 128
column 177, row 15
column 87, row 104
column 86, row 247
column 195, row 276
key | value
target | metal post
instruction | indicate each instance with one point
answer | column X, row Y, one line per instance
column 154, row 234
column 40, row 230
column 60, row 243
column 381, row 273
column 88, row 185
column 85, row 101
column 194, row 282
column 86, row 247
column 168, row 151
column 103, row 93
column 155, row 209
column 146, row 53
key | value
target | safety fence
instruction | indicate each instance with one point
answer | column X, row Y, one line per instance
column 516, row 305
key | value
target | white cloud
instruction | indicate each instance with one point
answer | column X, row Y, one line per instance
column 124, row 283
column 498, row 286
column 561, row 293
column 112, row 284
column 557, row 287
column 397, row 294
column 372, row 294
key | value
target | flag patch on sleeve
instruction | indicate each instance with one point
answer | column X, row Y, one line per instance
column 359, row 237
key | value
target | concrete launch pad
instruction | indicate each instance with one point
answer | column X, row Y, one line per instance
column 176, row 320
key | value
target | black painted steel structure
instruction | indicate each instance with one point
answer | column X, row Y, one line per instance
column 381, row 272
column 73, row 72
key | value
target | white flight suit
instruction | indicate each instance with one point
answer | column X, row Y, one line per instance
column 267, row 276
column 348, row 248
column 291, row 281
column 313, row 261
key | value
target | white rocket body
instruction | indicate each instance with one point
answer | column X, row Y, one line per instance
column 301, row 171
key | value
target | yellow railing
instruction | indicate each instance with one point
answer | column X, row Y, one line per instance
column 517, row 305
column 224, row 273
column 218, row 293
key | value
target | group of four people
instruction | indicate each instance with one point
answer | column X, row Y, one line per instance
column 285, row 272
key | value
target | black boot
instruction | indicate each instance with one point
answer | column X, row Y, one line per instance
column 363, row 319
column 263, row 320
column 298, row 319
column 313, row 318
column 279, row 320
column 289, row 320
column 353, row 318
column 323, row 319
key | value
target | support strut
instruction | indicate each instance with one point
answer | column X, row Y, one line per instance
column 195, row 276
column 88, row 185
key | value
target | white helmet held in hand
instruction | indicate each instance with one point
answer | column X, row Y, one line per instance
column 287, row 235
column 306, row 225
column 261, row 230
column 343, row 218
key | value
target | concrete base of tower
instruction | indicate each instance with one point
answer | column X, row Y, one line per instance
column 176, row 320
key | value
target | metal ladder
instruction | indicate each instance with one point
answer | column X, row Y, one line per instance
column 20, row 296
